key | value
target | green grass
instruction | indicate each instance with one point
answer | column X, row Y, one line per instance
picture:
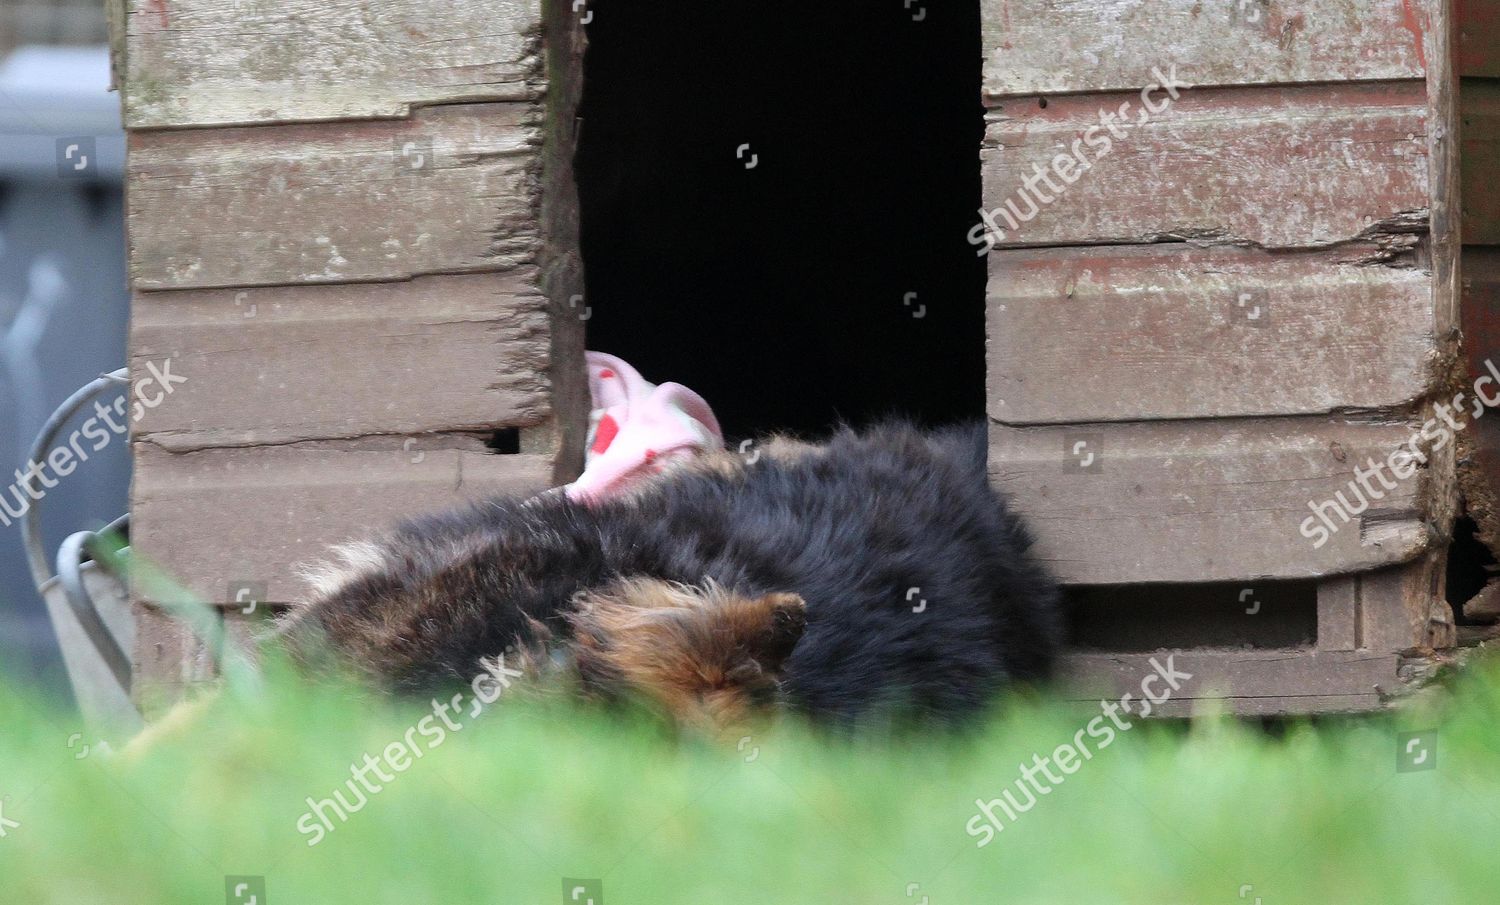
column 529, row 793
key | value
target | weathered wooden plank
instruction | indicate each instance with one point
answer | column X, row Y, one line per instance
column 1173, row 331
column 1477, row 48
column 224, row 518
column 286, row 363
column 169, row 660
column 220, row 62
column 1479, row 133
column 1442, row 257
column 1338, row 613
column 1251, row 682
column 172, row 660
column 452, row 189
column 1444, row 153
column 1069, row 46
column 1403, row 608
column 1279, row 167
column 560, row 260
column 1201, row 501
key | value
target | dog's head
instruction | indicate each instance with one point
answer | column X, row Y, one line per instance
column 708, row 657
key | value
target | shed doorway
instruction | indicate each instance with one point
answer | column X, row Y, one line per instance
column 775, row 202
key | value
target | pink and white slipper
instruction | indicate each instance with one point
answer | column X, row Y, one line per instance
column 638, row 429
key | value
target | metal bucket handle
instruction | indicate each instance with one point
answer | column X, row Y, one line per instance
column 80, row 546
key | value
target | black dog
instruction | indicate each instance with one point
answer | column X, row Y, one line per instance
column 875, row 575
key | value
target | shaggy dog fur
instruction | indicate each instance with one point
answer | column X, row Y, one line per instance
column 874, row 576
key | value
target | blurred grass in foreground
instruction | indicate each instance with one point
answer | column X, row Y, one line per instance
column 529, row 793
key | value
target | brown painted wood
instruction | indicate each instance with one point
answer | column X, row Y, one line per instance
column 1478, row 44
column 221, row 517
column 1277, row 167
column 279, row 364
column 1064, row 46
column 1201, row 501
column 452, row 189
column 1479, row 111
column 1481, row 307
column 1251, row 682
column 1479, row 461
column 220, row 62
column 1114, row 333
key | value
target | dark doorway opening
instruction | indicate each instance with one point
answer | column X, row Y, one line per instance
column 1471, row 566
column 775, row 204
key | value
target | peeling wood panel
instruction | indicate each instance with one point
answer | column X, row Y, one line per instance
column 1172, row 331
column 1203, row 501
column 1056, row 46
column 1477, row 48
column 1250, row 682
column 1479, row 134
column 452, row 189
column 1279, row 167
column 286, row 363
column 223, row 517
column 221, row 62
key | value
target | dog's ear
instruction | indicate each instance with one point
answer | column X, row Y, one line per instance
column 775, row 625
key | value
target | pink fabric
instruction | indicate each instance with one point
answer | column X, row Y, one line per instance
column 637, row 429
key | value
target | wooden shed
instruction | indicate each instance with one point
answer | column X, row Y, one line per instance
column 1200, row 348
column 354, row 232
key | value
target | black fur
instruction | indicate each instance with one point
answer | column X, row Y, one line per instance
column 853, row 527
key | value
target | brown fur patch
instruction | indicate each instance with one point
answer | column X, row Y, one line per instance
column 377, row 642
column 705, row 655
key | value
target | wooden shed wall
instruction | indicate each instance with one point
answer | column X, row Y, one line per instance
column 1300, row 179
column 353, row 231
